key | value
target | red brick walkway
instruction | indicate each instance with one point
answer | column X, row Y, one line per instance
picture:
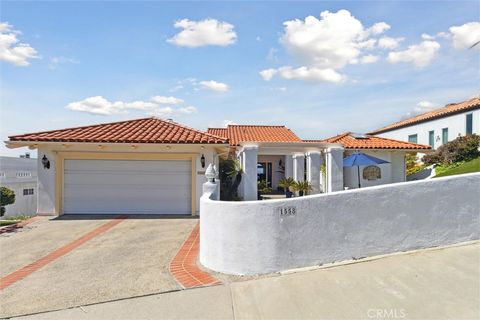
column 29, row 269
column 184, row 267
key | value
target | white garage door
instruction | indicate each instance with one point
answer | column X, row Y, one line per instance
column 127, row 186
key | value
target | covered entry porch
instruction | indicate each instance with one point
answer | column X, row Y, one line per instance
column 272, row 161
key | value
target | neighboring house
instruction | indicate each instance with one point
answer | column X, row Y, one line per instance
column 20, row 175
column 393, row 151
column 437, row 127
column 153, row 166
column 140, row 166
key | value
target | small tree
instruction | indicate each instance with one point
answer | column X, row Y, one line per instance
column 7, row 197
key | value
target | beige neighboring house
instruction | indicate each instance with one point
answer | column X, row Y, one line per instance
column 20, row 175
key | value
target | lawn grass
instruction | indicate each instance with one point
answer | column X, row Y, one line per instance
column 7, row 222
column 466, row 167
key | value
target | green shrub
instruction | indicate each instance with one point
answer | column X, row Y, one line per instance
column 7, row 197
column 461, row 149
column 230, row 173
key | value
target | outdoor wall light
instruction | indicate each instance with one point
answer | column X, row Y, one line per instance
column 45, row 162
column 202, row 161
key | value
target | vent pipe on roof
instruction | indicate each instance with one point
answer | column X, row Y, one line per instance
column 170, row 120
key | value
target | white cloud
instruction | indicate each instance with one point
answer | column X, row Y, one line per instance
column 214, row 86
column 12, row 50
column 306, row 74
column 389, row 43
column 166, row 100
column 203, row 33
column 99, row 105
column 272, row 55
column 379, row 27
column 426, row 36
column 369, row 59
column 56, row 61
column 419, row 54
column 466, row 35
column 226, row 123
column 421, row 107
column 324, row 46
column 168, row 111
column 267, row 74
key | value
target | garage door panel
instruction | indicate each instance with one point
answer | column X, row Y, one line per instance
column 124, row 186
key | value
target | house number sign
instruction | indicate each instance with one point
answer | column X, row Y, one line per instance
column 288, row 211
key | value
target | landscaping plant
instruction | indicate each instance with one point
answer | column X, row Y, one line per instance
column 230, row 174
column 287, row 184
column 303, row 187
column 7, row 197
column 461, row 149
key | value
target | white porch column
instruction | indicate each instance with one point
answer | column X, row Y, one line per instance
column 288, row 166
column 313, row 170
column 334, row 158
column 299, row 167
column 249, row 177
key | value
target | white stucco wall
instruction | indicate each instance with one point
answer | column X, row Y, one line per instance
column 24, row 204
column 456, row 125
column 254, row 238
column 390, row 172
column 46, row 177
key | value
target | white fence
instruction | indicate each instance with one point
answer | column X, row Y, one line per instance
column 256, row 237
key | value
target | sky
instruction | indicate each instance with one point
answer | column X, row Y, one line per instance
column 319, row 68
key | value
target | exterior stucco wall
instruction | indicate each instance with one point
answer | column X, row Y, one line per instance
column 254, row 238
column 24, row 204
column 456, row 125
column 390, row 172
column 46, row 194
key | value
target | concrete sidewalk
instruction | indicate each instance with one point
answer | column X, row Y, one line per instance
column 441, row 283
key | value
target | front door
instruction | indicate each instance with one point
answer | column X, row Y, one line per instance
column 264, row 172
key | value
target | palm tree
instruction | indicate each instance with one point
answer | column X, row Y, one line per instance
column 303, row 187
column 287, row 184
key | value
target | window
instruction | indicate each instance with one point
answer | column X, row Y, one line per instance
column 413, row 138
column 28, row 192
column 372, row 173
column 23, row 174
column 431, row 138
column 469, row 123
column 444, row 135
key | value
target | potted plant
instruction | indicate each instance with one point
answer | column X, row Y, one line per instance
column 287, row 184
column 303, row 187
column 262, row 188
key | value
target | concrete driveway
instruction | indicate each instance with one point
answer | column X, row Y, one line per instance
column 78, row 260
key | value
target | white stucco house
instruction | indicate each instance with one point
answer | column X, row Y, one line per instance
column 436, row 127
column 20, row 175
column 155, row 166
column 273, row 152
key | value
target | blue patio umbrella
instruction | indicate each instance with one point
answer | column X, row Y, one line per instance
column 361, row 159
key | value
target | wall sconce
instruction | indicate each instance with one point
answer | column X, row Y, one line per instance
column 45, row 162
column 202, row 161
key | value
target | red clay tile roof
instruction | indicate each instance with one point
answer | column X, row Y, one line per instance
column 147, row 130
column 448, row 110
column 255, row 133
column 349, row 141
